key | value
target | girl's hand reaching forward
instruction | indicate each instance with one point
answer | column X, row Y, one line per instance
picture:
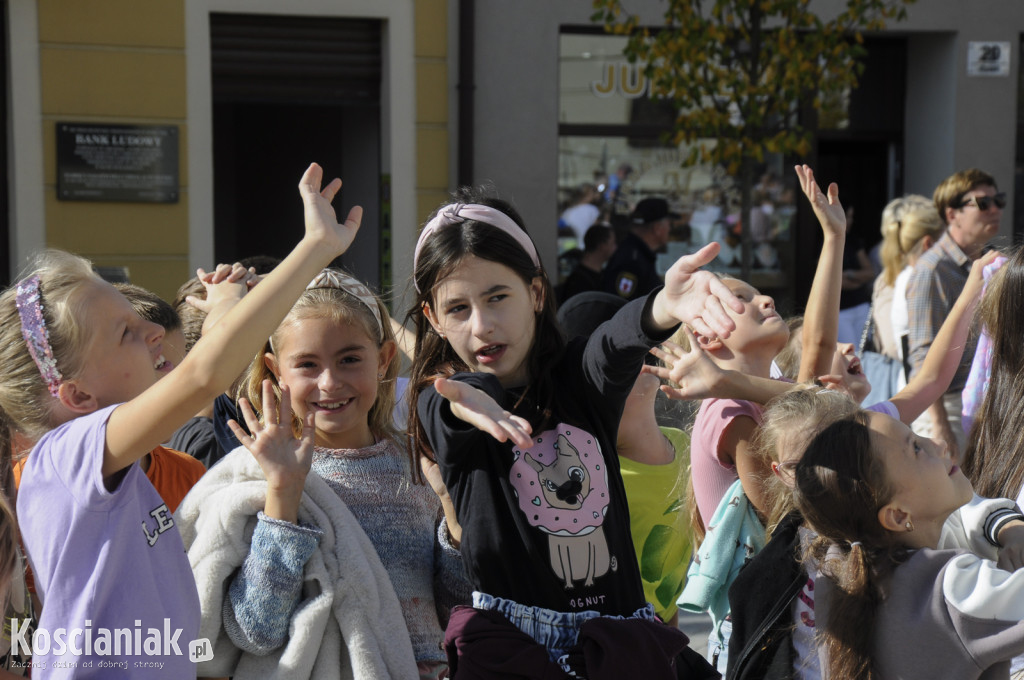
column 696, row 297
column 477, row 408
column 285, row 460
column 693, row 374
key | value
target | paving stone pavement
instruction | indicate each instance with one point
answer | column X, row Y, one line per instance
column 697, row 627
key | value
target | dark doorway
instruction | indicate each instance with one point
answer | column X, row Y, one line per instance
column 288, row 91
column 861, row 169
column 861, row 149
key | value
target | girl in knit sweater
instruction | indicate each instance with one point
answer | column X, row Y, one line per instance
column 320, row 397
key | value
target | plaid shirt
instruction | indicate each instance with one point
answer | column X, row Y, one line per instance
column 934, row 286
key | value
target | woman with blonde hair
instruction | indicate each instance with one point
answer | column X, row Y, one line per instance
column 910, row 225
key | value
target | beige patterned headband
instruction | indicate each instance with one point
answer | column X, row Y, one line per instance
column 337, row 279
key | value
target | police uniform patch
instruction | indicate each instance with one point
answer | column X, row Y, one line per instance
column 625, row 284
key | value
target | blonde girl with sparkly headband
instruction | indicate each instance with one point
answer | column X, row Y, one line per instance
column 350, row 569
column 523, row 427
column 81, row 376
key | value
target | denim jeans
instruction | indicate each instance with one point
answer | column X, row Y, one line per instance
column 718, row 646
column 557, row 631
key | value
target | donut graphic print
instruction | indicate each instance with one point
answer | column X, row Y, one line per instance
column 562, row 485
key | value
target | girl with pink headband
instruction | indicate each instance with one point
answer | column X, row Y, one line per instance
column 523, row 426
column 81, row 376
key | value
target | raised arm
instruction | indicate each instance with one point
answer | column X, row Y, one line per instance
column 929, row 384
column 821, row 317
column 141, row 424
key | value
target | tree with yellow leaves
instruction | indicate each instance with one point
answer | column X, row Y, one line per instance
column 740, row 71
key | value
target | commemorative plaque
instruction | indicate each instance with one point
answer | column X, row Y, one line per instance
column 122, row 163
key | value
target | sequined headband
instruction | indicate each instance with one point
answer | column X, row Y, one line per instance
column 29, row 300
column 460, row 212
column 333, row 278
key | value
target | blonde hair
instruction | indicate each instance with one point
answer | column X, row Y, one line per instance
column 26, row 404
column 788, row 359
column 905, row 223
column 9, row 546
column 797, row 417
column 24, row 395
column 342, row 307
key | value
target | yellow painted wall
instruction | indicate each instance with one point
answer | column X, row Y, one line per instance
column 118, row 62
column 123, row 62
column 432, row 143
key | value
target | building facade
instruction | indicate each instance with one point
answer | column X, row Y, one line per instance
column 253, row 90
column 549, row 88
column 404, row 99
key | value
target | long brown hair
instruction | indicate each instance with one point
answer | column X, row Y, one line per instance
column 994, row 460
column 441, row 255
column 840, row 486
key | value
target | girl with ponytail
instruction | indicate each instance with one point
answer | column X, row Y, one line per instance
column 776, row 620
column 889, row 603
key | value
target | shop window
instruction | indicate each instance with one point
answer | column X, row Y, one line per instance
column 612, row 135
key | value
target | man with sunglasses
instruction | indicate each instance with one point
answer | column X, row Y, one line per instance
column 971, row 205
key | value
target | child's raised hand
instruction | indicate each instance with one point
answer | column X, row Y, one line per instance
column 696, row 376
column 477, row 408
column 828, row 209
column 321, row 221
column 285, row 460
column 696, row 297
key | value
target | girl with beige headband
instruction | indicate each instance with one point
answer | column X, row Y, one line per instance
column 351, row 568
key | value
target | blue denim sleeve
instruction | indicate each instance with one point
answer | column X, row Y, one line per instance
column 265, row 592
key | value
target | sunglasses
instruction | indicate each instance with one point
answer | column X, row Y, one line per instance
column 983, row 203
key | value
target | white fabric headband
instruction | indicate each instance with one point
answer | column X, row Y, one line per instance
column 460, row 212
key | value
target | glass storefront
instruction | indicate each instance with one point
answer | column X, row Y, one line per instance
column 614, row 137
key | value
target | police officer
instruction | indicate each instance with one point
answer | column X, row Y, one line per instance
column 630, row 272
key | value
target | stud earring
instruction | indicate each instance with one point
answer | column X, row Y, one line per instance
column 910, row 526
column 380, row 376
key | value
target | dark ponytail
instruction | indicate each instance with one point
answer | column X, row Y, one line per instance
column 840, row 487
